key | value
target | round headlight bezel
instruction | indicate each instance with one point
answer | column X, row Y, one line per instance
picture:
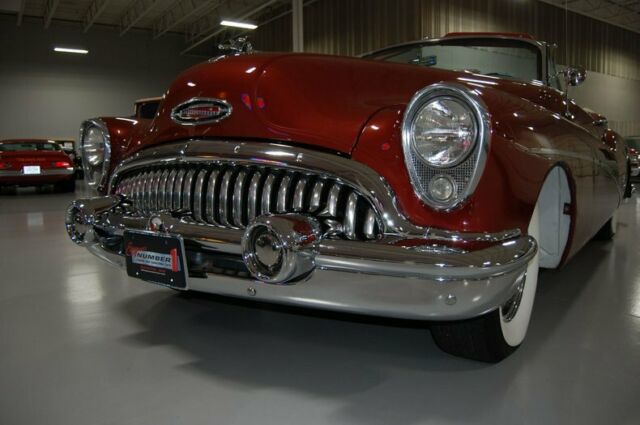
column 95, row 173
column 465, row 171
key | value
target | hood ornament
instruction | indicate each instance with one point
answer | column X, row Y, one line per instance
column 201, row 110
column 237, row 46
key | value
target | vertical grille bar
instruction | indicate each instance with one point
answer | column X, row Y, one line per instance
column 162, row 190
column 370, row 224
column 237, row 207
column 187, row 195
column 168, row 189
column 265, row 205
column 316, row 196
column 299, row 194
column 223, row 207
column 332, row 202
column 283, row 194
column 177, row 190
column 210, row 201
column 349, row 223
column 253, row 205
column 198, row 212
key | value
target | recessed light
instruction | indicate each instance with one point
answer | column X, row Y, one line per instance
column 70, row 50
column 236, row 24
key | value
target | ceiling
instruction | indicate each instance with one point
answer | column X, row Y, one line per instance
column 622, row 13
column 199, row 20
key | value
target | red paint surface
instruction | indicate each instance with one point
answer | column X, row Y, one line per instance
column 355, row 107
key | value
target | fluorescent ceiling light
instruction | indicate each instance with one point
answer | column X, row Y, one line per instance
column 244, row 25
column 69, row 50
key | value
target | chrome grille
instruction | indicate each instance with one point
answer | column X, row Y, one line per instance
column 231, row 196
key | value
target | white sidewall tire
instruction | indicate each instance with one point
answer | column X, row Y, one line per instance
column 515, row 330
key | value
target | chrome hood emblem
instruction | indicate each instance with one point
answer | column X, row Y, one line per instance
column 200, row 110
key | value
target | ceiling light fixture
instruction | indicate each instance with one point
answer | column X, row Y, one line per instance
column 236, row 24
column 70, row 50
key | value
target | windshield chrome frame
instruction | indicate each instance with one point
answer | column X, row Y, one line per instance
column 542, row 46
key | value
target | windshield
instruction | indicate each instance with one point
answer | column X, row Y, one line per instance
column 28, row 146
column 512, row 59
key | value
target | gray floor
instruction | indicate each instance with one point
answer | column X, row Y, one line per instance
column 82, row 344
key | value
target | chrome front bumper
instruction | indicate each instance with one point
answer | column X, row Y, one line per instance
column 410, row 277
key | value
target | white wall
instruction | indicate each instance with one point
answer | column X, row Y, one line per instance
column 44, row 94
column 616, row 98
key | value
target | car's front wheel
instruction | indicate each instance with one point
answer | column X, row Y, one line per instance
column 495, row 335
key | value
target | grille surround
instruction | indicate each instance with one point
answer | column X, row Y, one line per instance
column 230, row 195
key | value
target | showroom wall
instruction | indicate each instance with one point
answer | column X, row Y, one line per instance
column 47, row 94
column 351, row 27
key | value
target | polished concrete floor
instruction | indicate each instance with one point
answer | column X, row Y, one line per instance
column 82, row 344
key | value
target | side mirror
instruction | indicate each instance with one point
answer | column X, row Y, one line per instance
column 574, row 75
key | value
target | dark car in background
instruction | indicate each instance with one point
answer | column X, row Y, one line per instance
column 633, row 142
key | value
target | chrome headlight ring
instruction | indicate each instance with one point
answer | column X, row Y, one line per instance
column 464, row 171
column 95, row 168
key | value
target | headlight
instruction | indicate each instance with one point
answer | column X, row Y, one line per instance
column 445, row 136
column 444, row 132
column 96, row 152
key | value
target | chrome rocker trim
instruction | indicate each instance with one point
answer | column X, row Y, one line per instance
column 389, row 277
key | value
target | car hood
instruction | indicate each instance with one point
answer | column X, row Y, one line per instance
column 318, row 100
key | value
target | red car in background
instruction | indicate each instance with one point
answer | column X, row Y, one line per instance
column 31, row 162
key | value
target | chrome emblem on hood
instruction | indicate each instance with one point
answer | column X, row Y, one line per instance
column 201, row 110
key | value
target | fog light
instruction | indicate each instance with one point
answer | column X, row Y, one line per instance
column 281, row 248
column 442, row 188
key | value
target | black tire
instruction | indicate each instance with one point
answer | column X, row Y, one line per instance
column 478, row 339
column 66, row 186
column 628, row 188
column 606, row 232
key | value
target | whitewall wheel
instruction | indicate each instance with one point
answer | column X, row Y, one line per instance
column 495, row 335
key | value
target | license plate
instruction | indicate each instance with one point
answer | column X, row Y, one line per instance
column 156, row 258
column 31, row 169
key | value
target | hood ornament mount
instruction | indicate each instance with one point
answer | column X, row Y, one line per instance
column 236, row 46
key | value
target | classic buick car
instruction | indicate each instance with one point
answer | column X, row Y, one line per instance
column 633, row 143
column 34, row 162
column 424, row 181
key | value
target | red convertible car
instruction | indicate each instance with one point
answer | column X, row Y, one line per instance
column 31, row 162
column 424, row 181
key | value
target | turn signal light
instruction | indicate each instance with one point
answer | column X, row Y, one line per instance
column 61, row 164
column 5, row 166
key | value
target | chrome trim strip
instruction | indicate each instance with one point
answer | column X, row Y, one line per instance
column 451, row 236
